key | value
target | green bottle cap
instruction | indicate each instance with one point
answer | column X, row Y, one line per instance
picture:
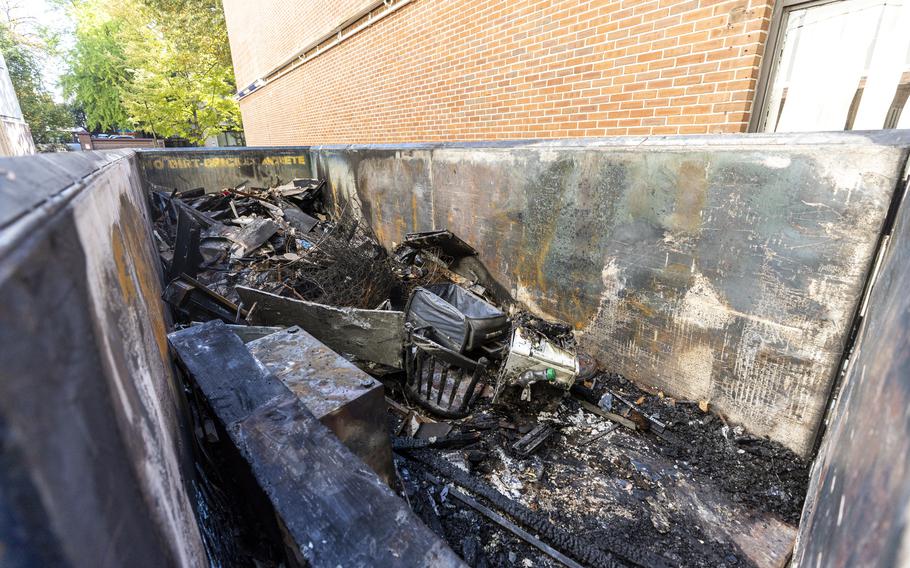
column 551, row 374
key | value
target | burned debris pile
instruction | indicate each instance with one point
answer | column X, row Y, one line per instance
column 278, row 240
column 501, row 435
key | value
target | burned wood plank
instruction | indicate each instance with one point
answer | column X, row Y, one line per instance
column 370, row 335
column 593, row 409
column 529, row 443
column 333, row 507
column 514, row 529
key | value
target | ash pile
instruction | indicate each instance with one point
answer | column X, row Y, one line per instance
column 507, row 441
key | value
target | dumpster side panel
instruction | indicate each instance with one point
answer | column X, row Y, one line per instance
column 89, row 411
column 857, row 511
column 725, row 269
column 188, row 168
column 719, row 268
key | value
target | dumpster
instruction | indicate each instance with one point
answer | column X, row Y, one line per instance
column 757, row 279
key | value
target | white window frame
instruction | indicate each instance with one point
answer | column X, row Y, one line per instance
column 774, row 48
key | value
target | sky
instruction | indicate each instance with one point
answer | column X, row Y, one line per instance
column 45, row 13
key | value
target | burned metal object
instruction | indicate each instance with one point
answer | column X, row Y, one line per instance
column 456, row 260
column 429, row 430
column 606, row 401
column 530, row 442
column 276, row 239
column 186, row 258
column 333, row 509
column 445, row 242
column 532, row 358
column 196, row 302
column 456, row 318
column 645, row 420
column 252, row 236
column 440, row 247
column 189, row 193
column 445, row 442
column 299, row 220
column 198, row 215
column 341, row 396
column 306, row 193
column 368, row 335
column 442, row 380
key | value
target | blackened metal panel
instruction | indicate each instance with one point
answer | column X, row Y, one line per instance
column 94, row 458
column 858, row 505
column 217, row 168
column 724, row 268
column 28, row 181
column 343, row 397
column 334, row 507
column 400, row 195
column 370, row 335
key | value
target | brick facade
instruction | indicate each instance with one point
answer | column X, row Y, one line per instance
column 493, row 69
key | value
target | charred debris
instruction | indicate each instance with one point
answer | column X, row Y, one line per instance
column 506, row 440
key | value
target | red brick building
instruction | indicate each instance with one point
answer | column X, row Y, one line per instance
column 367, row 71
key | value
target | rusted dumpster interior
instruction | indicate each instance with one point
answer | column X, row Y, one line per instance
column 735, row 306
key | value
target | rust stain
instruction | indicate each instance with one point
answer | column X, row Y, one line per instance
column 377, row 222
column 138, row 283
column 541, row 258
column 401, row 228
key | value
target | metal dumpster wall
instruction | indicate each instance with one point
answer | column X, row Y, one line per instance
column 723, row 268
column 720, row 268
column 93, row 464
column 857, row 511
column 189, row 168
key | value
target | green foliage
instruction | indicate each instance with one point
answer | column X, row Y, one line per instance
column 98, row 75
column 46, row 118
column 162, row 66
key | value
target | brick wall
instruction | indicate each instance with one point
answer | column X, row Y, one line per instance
column 490, row 69
column 264, row 33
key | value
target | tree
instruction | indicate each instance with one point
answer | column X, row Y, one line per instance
column 162, row 66
column 46, row 118
column 98, row 74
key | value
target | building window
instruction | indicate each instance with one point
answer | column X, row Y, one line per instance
column 836, row 65
column 231, row 138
